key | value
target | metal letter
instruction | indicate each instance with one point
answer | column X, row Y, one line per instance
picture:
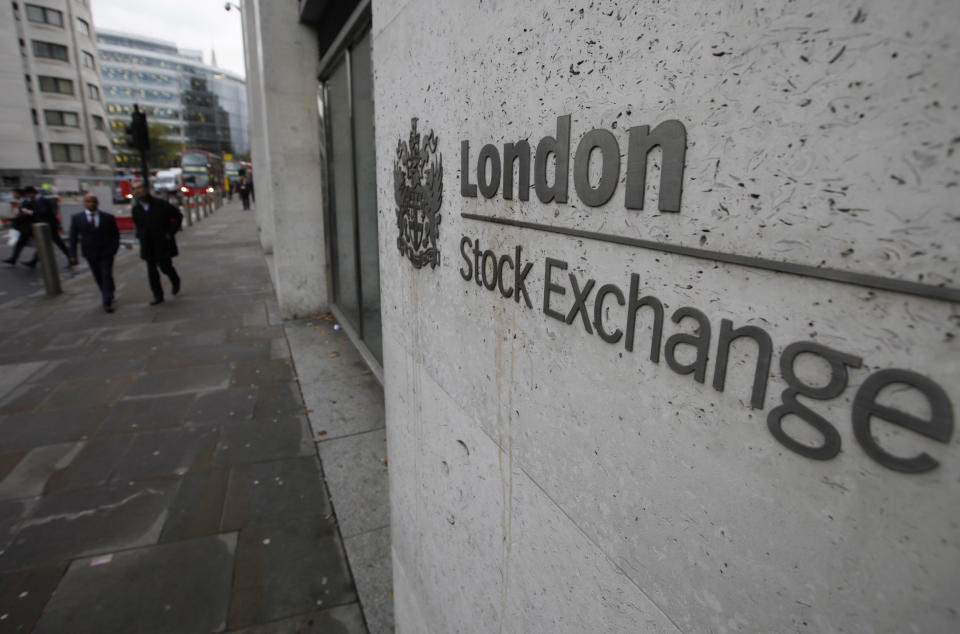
column 636, row 303
column 467, row 189
column 764, row 353
column 549, row 286
column 560, row 148
column 605, row 290
column 939, row 426
column 671, row 136
column 488, row 189
column 580, row 302
column 699, row 340
column 835, row 386
column 512, row 151
column 604, row 141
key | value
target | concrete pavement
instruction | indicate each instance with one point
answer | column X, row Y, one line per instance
column 159, row 467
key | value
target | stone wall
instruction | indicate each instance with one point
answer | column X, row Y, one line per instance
column 547, row 475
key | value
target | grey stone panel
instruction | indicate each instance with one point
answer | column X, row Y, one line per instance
column 142, row 414
column 196, row 511
column 259, row 441
column 369, row 556
column 289, row 568
column 35, row 429
column 29, row 477
column 356, row 470
column 274, row 491
column 223, row 406
column 90, row 521
column 179, row 381
column 168, row 452
column 344, row 619
column 179, row 588
column 24, row 593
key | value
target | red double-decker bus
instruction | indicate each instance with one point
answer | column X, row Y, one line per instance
column 202, row 172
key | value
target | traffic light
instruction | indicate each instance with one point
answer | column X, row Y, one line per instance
column 138, row 136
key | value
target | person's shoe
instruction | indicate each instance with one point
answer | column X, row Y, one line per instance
column 176, row 286
column 31, row 264
column 107, row 308
column 156, row 300
column 9, row 261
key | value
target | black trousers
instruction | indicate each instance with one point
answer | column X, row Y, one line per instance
column 102, row 269
column 165, row 265
column 26, row 236
column 245, row 198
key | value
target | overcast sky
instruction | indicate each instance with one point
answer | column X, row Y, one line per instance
column 200, row 24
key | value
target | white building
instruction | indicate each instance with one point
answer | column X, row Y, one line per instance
column 200, row 106
column 52, row 118
column 710, row 388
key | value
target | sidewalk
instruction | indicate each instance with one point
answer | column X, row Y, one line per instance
column 158, row 468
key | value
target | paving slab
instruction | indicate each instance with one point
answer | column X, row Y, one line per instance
column 223, row 406
column 180, row 588
column 26, row 430
column 211, row 354
column 371, row 564
column 263, row 372
column 260, row 441
column 94, row 465
column 356, row 470
column 278, row 399
column 141, row 414
column 182, row 380
column 289, row 568
column 268, row 492
column 344, row 619
column 30, row 476
column 168, row 452
column 24, row 593
column 74, row 524
column 198, row 507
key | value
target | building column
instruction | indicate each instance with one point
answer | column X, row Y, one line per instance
column 285, row 101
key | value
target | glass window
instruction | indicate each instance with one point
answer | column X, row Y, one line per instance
column 59, row 117
column 56, row 84
column 98, row 123
column 88, row 60
column 103, row 154
column 93, row 92
column 83, row 26
column 48, row 50
column 349, row 115
column 44, row 15
column 66, row 152
column 33, row 112
column 340, row 163
column 40, row 152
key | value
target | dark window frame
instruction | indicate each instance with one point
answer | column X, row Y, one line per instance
column 58, row 118
column 49, row 50
column 59, row 82
column 73, row 152
column 45, row 12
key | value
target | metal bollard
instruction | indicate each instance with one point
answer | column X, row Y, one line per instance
column 208, row 204
column 185, row 210
column 48, row 260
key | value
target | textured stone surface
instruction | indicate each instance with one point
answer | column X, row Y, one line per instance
column 820, row 135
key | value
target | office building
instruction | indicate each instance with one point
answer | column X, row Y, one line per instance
column 52, row 116
column 198, row 105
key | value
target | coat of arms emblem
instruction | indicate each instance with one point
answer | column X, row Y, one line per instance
column 418, row 190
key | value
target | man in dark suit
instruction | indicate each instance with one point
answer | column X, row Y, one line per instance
column 157, row 221
column 33, row 209
column 99, row 241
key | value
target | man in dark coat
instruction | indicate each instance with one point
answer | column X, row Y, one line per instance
column 33, row 209
column 99, row 241
column 157, row 221
column 244, row 188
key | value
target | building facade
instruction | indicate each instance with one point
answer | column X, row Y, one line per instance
column 663, row 298
column 52, row 116
column 198, row 105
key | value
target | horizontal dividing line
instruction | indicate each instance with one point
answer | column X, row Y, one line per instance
column 833, row 275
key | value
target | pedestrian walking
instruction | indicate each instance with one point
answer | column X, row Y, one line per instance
column 157, row 221
column 99, row 240
column 244, row 188
column 33, row 209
